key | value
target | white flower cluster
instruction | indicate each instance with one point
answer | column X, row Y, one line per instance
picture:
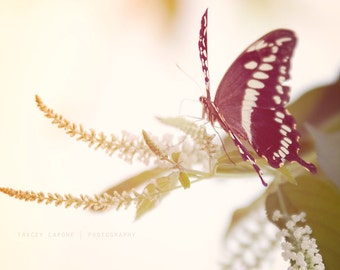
column 301, row 249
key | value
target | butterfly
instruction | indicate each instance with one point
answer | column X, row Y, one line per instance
column 250, row 100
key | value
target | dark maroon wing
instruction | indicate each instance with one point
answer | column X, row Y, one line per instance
column 252, row 97
column 208, row 107
column 203, row 51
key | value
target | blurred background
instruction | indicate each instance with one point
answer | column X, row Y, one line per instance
column 112, row 66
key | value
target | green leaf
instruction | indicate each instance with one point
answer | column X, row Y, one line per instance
column 136, row 180
column 153, row 193
column 316, row 106
column 287, row 174
column 184, row 180
column 320, row 200
column 245, row 212
column 132, row 183
column 175, row 156
column 148, row 203
column 328, row 151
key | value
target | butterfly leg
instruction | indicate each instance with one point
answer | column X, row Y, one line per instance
column 224, row 149
column 246, row 156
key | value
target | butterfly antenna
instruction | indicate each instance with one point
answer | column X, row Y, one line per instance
column 189, row 76
column 224, row 149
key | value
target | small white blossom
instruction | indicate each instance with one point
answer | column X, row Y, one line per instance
column 299, row 232
column 283, row 233
column 308, row 229
column 300, row 249
column 277, row 215
column 290, row 224
column 317, row 260
column 300, row 260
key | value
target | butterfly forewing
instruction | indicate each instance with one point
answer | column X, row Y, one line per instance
column 255, row 80
column 250, row 100
column 203, row 50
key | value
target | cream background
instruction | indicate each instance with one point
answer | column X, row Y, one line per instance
column 111, row 65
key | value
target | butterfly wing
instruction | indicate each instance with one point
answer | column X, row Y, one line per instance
column 209, row 108
column 203, row 51
column 252, row 97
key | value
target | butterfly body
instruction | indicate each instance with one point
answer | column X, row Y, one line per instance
column 250, row 100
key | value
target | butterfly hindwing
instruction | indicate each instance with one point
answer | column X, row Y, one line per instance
column 246, row 156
